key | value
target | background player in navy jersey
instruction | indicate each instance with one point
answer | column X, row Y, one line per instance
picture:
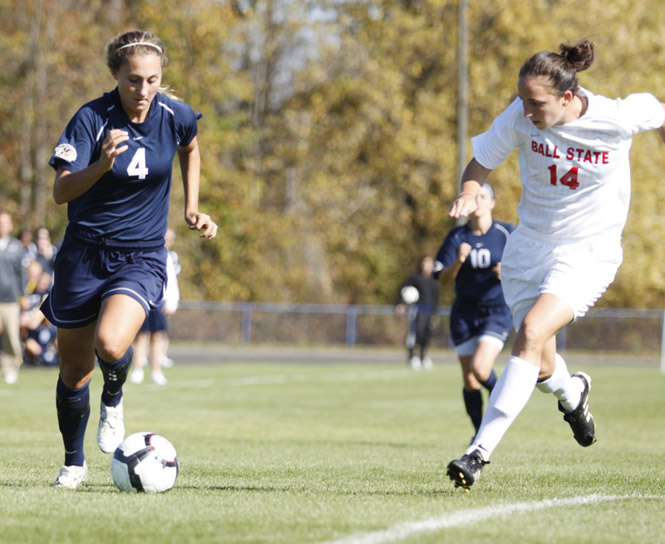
column 480, row 320
column 420, row 313
column 113, row 168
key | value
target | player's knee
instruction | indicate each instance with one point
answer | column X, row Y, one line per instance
column 532, row 335
column 110, row 348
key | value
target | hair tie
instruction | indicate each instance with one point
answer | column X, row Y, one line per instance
column 141, row 43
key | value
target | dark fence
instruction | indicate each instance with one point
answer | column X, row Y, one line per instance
column 631, row 331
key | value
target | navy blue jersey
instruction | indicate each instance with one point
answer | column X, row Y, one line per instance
column 130, row 202
column 475, row 280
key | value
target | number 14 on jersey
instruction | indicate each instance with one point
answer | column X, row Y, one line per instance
column 569, row 179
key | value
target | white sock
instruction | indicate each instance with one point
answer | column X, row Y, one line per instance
column 509, row 396
column 562, row 385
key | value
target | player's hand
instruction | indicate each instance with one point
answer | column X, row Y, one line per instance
column 202, row 223
column 463, row 252
column 111, row 147
column 399, row 309
column 497, row 270
column 464, row 205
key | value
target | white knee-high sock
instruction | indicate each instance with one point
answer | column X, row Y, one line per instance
column 509, row 396
column 562, row 385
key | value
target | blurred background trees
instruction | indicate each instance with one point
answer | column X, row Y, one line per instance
column 329, row 127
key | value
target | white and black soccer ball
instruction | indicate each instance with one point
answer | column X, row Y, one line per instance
column 409, row 294
column 144, row 462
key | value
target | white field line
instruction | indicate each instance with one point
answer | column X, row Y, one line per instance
column 267, row 380
column 316, row 378
column 285, row 379
column 409, row 529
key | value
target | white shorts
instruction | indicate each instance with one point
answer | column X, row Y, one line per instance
column 468, row 348
column 576, row 271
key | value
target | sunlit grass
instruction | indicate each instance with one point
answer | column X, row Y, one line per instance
column 280, row 453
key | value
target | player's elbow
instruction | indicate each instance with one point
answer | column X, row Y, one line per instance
column 58, row 195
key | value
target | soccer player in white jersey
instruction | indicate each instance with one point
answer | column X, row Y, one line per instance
column 113, row 167
column 575, row 172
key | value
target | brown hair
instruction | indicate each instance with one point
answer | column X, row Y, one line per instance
column 121, row 47
column 560, row 68
column 136, row 42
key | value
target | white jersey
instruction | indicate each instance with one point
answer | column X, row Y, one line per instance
column 575, row 176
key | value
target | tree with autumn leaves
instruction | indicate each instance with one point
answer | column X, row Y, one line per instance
column 329, row 129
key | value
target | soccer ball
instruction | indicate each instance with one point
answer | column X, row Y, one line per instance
column 409, row 294
column 144, row 462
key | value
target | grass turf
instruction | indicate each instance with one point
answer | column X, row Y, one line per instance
column 285, row 453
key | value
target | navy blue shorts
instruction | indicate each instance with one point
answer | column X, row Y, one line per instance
column 155, row 322
column 469, row 319
column 88, row 269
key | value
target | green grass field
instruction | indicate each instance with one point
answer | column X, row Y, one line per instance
column 346, row 453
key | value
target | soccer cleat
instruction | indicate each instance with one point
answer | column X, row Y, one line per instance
column 427, row 363
column 466, row 471
column 71, row 476
column 111, row 430
column 580, row 419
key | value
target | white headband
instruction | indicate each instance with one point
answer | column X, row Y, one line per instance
column 148, row 44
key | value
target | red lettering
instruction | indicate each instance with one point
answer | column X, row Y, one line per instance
column 606, row 157
column 569, row 179
column 587, row 157
column 545, row 150
column 570, row 154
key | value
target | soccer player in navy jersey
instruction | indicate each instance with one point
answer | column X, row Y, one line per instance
column 480, row 320
column 113, row 168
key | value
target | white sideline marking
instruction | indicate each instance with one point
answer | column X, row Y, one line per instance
column 408, row 529
column 304, row 378
column 284, row 378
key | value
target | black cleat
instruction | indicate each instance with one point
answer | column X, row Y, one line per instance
column 580, row 419
column 466, row 471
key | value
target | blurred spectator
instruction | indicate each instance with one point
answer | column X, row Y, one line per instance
column 172, row 293
column 38, row 334
column 29, row 247
column 45, row 249
column 11, row 289
column 169, row 240
column 152, row 340
column 32, row 274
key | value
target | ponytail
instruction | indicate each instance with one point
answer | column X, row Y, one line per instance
column 561, row 68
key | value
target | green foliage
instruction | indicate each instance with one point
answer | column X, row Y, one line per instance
column 329, row 130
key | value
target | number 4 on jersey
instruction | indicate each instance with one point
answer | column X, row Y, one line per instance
column 569, row 179
column 138, row 166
